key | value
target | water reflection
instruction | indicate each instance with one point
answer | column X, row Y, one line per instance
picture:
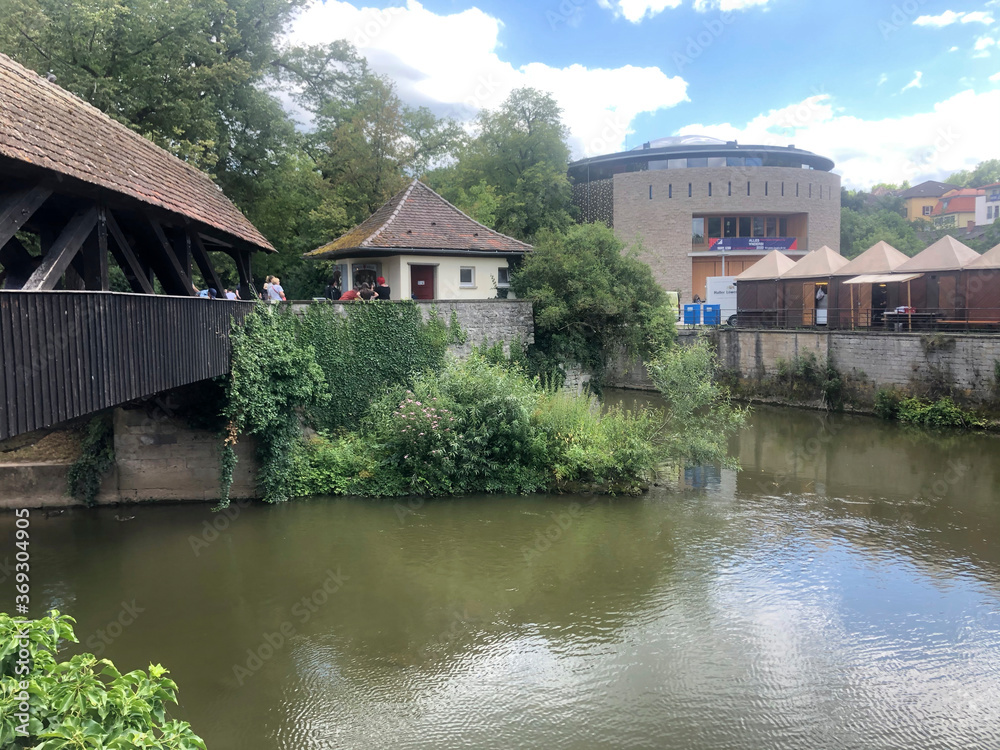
column 828, row 595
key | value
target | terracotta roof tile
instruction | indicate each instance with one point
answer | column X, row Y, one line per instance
column 417, row 218
column 45, row 125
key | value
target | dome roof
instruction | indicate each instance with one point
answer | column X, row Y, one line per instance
column 681, row 140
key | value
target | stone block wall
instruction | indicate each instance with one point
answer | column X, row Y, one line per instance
column 162, row 458
column 913, row 361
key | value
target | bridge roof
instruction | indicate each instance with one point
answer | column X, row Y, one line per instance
column 44, row 125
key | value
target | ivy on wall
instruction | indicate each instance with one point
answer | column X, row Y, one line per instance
column 322, row 369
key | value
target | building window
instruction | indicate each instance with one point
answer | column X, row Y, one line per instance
column 772, row 226
column 677, row 163
column 467, row 277
column 717, row 161
column 714, row 226
column 735, row 161
column 730, row 188
column 748, row 187
column 697, row 231
column 710, row 190
column 796, row 190
column 810, row 190
column 782, row 190
column 689, row 190
column 755, row 161
column 765, row 188
column 651, row 192
column 745, row 223
column 503, row 276
column 927, row 210
column 697, row 161
column 782, row 227
column 989, row 212
column 729, row 227
column 758, row 226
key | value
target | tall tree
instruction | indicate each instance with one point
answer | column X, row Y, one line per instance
column 986, row 173
column 519, row 151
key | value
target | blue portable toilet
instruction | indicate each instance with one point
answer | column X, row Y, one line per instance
column 713, row 315
column 692, row 315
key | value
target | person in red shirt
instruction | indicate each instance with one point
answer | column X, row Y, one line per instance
column 349, row 295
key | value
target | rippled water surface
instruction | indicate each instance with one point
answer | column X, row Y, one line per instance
column 842, row 590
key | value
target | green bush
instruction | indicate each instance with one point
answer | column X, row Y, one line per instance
column 887, row 403
column 84, row 702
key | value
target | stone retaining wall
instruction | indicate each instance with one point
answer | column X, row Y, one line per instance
column 913, row 361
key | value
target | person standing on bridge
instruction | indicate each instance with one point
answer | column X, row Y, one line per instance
column 275, row 293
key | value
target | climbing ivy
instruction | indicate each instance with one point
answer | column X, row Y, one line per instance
column 274, row 378
column 97, row 456
column 322, row 368
column 369, row 349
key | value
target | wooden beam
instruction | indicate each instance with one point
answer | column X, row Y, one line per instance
column 204, row 262
column 137, row 275
column 18, row 208
column 62, row 252
column 18, row 264
column 95, row 256
column 183, row 281
column 242, row 260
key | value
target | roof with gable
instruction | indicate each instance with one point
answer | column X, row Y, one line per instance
column 988, row 260
column 43, row 125
column 418, row 220
column 947, row 254
column 957, row 201
column 879, row 258
column 768, row 268
column 928, row 189
column 817, row 264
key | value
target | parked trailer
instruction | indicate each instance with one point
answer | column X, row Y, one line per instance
column 721, row 291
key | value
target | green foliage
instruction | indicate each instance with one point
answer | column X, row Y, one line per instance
column 805, row 377
column 892, row 404
column 84, row 702
column 512, row 173
column 700, row 415
column 591, row 298
column 860, row 229
column 482, row 426
column 273, row 379
column 986, row 173
column 97, row 456
column 370, row 349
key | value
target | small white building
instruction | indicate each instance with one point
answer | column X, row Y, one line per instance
column 992, row 203
column 426, row 249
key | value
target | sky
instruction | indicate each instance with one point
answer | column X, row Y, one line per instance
column 891, row 91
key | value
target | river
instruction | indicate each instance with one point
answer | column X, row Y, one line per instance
column 841, row 591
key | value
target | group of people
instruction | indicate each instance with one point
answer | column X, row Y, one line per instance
column 212, row 293
column 364, row 291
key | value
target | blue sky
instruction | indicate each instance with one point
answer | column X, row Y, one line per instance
column 890, row 90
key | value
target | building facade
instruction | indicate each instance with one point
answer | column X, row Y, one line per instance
column 919, row 200
column 702, row 207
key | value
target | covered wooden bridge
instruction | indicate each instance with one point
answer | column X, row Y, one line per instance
column 78, row 193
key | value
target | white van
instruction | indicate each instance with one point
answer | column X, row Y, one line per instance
column 721, row 291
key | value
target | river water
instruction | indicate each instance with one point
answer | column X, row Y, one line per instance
column 841, row 591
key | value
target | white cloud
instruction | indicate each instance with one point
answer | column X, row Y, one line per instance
column 949, row 17
column 882, row 79
column 953, row 49
column 915, row 83
column 636, row 10
column 922, row 146
column 995, row 78
column 451, row 64
column 982, row 46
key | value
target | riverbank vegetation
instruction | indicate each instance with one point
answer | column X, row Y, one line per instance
column 84, row 702
column 387, row 413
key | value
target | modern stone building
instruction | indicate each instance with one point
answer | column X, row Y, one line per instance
column 703, row 207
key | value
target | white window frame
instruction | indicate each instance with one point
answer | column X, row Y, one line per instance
column 500, row 282
column 471, row 284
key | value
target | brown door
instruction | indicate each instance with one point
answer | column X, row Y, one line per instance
column 422, row 282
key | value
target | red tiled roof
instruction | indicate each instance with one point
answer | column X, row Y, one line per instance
column 958, row 204
column 46, row 126
column 417, row 218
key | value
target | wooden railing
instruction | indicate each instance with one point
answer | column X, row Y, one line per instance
column 67, row 354
column 967, row 319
